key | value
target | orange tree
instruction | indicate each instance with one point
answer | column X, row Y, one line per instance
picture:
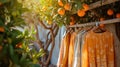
column 50, row 13
column 14, row 44
column 61, row 11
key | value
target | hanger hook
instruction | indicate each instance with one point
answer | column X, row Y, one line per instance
column 97, row 23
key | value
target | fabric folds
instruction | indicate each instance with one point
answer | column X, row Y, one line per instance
column 87, row 49
column 64, row 50
column 98, row 50
column 77, row 49
column 71, row 49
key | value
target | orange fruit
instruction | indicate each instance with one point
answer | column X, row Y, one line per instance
column 81, row 13
column 72, row 23
column 110, row 12
column 86, row 7
column 67, row 6
column 102, row 19
column 2, row 29
column 118, row 15
column 61, row 11
column 1, row 47
column 60, row 3
column 101, row 25
column 49, row 22
column 19, row 45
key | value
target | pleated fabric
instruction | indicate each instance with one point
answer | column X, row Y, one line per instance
column 64, row 51
column 60, row 57
column 78, row 48
column 71, row 49
column 98, row 50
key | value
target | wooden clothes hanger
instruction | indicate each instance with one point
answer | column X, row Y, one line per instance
column 78, row 29
column 98, row 29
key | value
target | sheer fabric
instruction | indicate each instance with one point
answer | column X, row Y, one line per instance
column 64, row 50
column 98, row 50
column 71, row 49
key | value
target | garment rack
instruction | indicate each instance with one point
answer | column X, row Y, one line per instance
column 116, row 20
column 95, row 5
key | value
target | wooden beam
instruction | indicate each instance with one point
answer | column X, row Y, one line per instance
column 99, row 3
column 94, row 23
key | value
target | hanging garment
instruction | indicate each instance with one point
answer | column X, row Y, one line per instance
column 60, row 58
column 64, row 50
column 98, row 50
column 118, row 30
column 71, row 49
column 111, row 28
column 77, row 49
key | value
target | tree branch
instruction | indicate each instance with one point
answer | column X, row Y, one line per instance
column 37, row 36
column 55, row 33
column 52, row 39
column 42, row 24
column 53, row 43
column 47, row 37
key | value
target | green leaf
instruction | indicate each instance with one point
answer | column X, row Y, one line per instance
column 1, row 38
column 15, row 58
column 4, row 1
column 5, row 49
column 35, row 65
column 11, row 50
column 23, row 57
column 1, row 23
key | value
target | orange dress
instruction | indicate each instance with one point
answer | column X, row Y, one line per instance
column 64, row 50
column 71, row 49
column 60, row 53
column 98, row 50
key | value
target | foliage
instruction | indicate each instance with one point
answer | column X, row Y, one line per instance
column 15, row 48
column 47, row 9
column 54, row 11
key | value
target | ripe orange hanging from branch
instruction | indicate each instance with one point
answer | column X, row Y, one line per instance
column 81, row 13
column 102, row 19
column 72, row 23
column 60, row 3
column 1, row 48
column 61, row 11
column 19, row 45
column 118, row 15
column 2, row 29
column 67, row 6
column 110, row 12
column 101, row 25
column 86, row 7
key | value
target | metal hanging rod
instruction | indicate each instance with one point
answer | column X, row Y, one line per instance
column 116, row 20
column 95, row 5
